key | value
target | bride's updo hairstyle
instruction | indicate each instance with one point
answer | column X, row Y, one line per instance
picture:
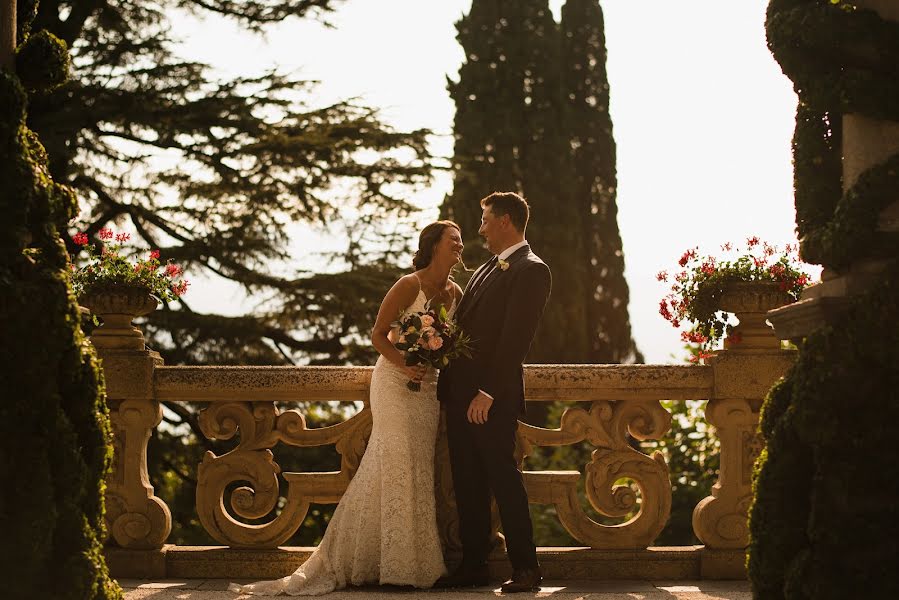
column 428, row 239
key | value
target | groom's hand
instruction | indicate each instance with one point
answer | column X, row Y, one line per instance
column 479, row 407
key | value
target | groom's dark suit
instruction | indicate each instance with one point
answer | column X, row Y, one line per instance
column 499, row 312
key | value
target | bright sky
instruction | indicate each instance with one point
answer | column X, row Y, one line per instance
column 702, row 118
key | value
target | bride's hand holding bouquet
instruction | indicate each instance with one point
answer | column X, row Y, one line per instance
column 430, row 339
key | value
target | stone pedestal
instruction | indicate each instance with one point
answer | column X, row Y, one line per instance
column 743, row 374
column 135, row 517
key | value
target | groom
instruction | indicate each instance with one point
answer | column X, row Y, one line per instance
column 484, row 395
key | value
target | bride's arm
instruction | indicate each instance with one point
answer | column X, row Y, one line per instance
column 401, row 295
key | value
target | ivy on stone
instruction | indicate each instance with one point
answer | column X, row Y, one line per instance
column 842, row 60
column 821, row 521
column 54, row 424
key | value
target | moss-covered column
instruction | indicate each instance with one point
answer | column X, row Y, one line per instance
column 743, row 374
column 54, row 429
column 826, row 485
column 137, row 519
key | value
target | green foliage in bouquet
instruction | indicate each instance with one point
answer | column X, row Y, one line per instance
column 431, row 338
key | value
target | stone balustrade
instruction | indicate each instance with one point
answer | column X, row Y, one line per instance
column 625, row 399
column 610, row 404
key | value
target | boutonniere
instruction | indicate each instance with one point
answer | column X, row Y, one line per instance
column 503, row 265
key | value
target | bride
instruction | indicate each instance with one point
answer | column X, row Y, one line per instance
column 384, row 529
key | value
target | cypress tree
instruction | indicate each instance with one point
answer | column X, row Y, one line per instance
column 488, row 135
column 513, row 133
column 594, row 182
column 54, row 425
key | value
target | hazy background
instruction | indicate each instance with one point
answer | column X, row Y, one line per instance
column 702, row 118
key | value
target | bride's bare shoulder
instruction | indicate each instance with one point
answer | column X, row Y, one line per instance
column 405, row 287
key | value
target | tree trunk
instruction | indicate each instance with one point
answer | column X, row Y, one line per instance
column 7, row 34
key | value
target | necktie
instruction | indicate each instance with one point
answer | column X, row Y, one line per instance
column 483, row 274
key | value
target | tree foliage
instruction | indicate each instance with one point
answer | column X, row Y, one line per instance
column 816, row 528
column 594, row 182
column 217, row 174
column 532, row 117
column 221, row 175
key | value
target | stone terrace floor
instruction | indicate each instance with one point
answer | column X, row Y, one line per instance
column 216, row 589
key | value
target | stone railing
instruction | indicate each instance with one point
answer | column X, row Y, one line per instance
column 624, row 399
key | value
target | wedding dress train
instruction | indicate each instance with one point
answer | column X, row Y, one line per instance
column 384, row 529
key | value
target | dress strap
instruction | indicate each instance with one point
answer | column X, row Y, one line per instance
column 422, row 292
column 418, row 279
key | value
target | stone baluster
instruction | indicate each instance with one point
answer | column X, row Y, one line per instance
column 743, row 374
column 135, row 517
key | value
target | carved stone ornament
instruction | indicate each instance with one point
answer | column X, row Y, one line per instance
column 262, row 426
column 605, row 426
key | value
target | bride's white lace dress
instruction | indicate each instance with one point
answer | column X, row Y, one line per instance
column 384, row 529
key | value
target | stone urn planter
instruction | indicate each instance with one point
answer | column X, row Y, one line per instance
column 749, row 301
column 117, row 306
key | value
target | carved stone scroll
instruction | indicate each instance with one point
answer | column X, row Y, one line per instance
column 261, row 426
column 605, row 426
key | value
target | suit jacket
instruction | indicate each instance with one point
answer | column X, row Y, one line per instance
column 501, row 317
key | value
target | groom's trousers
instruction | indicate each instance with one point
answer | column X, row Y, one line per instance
column 483, row 461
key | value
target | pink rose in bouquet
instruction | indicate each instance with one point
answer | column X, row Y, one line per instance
column 431, row 338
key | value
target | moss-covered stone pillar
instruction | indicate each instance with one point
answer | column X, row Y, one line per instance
column 54, row 429
column 825, row 487
column 136, row 518
column 743, row 373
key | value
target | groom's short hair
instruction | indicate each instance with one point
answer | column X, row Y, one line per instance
column 509, row 203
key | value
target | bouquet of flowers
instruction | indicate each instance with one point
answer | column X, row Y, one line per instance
column 110, row 267
column 431, row 338
column 701, row 280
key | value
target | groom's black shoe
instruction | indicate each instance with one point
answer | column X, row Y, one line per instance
column 524, row 580
column 465, row 576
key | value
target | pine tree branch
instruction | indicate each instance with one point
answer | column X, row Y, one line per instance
column 251, row 156
column 286, row 356
column 248, row 328
column 191, row 420
column 70, row 29
column 255, row 13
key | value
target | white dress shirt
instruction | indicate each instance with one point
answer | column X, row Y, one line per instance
column 511, row 250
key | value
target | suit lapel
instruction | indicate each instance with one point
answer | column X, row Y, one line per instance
column 467, row 294
column 482, row 287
